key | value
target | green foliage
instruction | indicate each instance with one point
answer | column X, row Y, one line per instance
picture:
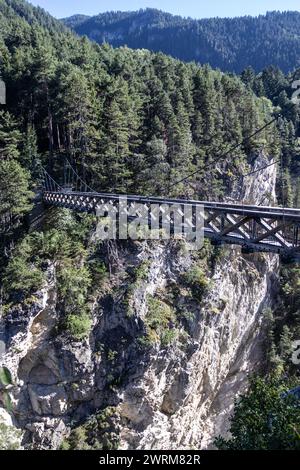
column 79, row 325
column 160, row 322
column 274, row 362
column 264, row 418
column 76, row 441
column 10, row 437
column 187, row 315
column 134, row 121
column 30, row 155
column 285, row 344
column 7, row 402
column 284, row 322
column 197, row 280
column 15, row 195
column 97, row 433
column 5, row 376
column 131, row 120
column 111, row 355
column 53, row 244
column 14, row 189
column 168, row 337
column 21, row 276
column 64, row 247
column 290, row 282
column 74, row 283
column 10, row 137
column 98, row 271
column 141, row 272
column 77, row 276
column 219, row 49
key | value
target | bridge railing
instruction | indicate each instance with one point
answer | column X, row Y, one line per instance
column 261, row 228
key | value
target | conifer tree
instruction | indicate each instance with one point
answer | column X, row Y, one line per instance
column 10, row 136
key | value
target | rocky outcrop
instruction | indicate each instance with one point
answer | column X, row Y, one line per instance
column 10, row 436
column 183, row 400
column 165, row 396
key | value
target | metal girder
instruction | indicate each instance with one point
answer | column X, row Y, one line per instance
column 236, row 225
column 258, row 228
column 272, row 231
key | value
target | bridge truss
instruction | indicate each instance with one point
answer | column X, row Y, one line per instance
column 254, row 228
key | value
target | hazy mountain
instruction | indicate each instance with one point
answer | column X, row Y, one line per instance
column 229, row 43
column 75, row 20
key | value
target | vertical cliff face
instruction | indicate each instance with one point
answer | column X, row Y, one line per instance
column 186, row 398
column 174, row 390
column 183, row 398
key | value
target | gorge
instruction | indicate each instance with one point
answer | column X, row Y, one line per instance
column 139, row 344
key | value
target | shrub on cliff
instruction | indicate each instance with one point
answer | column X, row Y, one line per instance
column 267, row 417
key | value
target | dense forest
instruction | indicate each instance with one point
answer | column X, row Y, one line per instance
column 132, row 120
column 230, row 44
column 129, row 121
column 136, row 121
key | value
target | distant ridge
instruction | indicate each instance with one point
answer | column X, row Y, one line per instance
column 230, row 44
column 75, row 20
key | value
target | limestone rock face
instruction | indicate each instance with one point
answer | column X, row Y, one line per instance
column 166, row 397
column 10, row 436
column 187, row 399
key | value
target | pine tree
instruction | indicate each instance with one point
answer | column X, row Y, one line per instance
column 30, row 155
column 285, row 344
column 155, row 171
column 248, row 77
column 116, row 142
column 10, row 136
column 274, row 362
column 14, row 190
column 205, row 100
column 77, row 114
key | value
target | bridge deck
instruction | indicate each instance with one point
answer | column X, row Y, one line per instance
column 255, row 228
column 240, row 209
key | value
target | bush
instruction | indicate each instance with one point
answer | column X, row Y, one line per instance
column 14, row 189
column 77, row 440
column 5, row 377
column 21, row 276
column 10, row 437
column 74, row 283
column 79, row 326
column 141, row 272
column 159, row 313
column 168, row 337
column 53, row 244
column 97, row 433
column 160, row 322
column 265, row 418
column 98, row 271
column 197, row 280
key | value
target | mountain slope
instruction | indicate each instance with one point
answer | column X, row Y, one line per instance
column 230, row 44
column 140, row 343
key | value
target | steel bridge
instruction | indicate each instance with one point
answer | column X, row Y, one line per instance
column 254, row 228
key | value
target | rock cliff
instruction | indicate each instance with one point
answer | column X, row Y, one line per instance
column 171, row 391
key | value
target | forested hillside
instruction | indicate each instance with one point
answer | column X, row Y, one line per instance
column 230, row 44
column 129, row 120
column 133, row 121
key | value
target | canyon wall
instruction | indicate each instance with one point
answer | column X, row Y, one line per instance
column 159, row 396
